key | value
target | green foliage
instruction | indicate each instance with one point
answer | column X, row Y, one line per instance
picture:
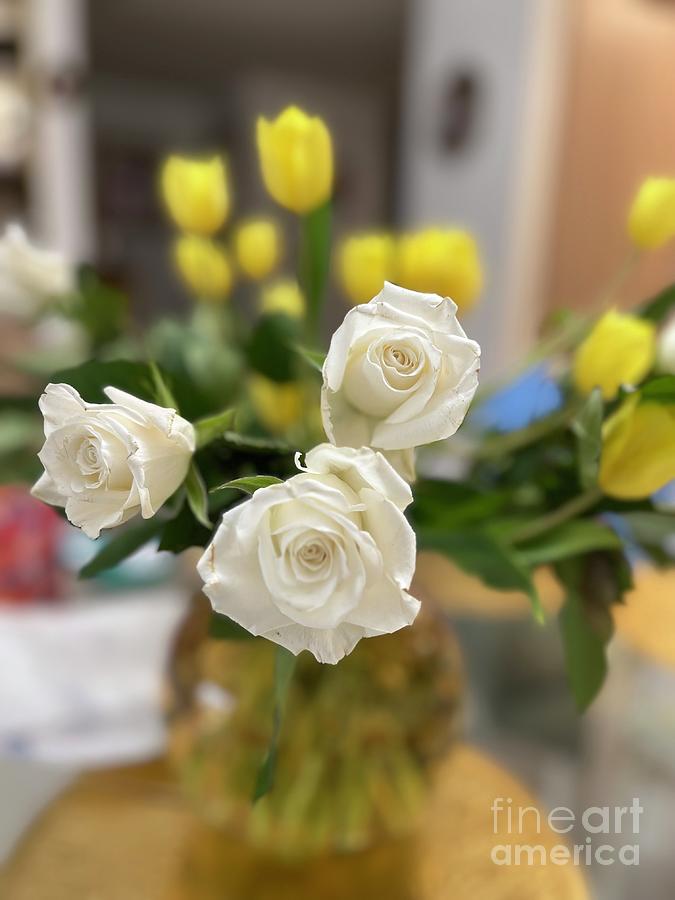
column 284, row 665
column 478, row 553
column 593, row 583
column 659, row 390
column 314, row 358
column 568, row 540
column 587, row 427
column 212, row 427
column 315, row 263
column 100, row 308
column 249, row 483
column 196, row 496
column 90, row 378
column 659, row 307
column 183, row 531
column 125, row 542
column 271, row 347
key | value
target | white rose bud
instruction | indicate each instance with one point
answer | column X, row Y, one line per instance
column 321, row 560
column 28, row 275
column 400, row 372
column 106, row 462
column 665, row 352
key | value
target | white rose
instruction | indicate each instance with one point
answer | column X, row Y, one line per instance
column 28, row 275
column 665, row 352
column 321, row 560
column 106, row 462
column 400, row 372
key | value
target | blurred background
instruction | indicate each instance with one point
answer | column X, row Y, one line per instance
column 529, row 122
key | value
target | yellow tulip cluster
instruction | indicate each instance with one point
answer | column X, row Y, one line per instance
column 433, row 260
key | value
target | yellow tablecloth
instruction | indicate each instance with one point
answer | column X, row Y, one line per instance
column 127, row 835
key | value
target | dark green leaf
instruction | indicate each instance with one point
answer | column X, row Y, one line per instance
column 450, row 504
column 253, row 443
column 271, row 347
column 315, row 263
column 587, row 426
column 213, row 427
column 122, row 545
column 659, row 390
column 659, row 307
column 481, row 555
column 90, row 378
column 584, row 651
column 163, row 394
column 100, row 308
column 184, row 531
column 222, row 628
column 573, row 538
column 196, row 496
column 284, row 664
column 249, row 484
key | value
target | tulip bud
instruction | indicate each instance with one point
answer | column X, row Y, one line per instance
column 651, row 221
column 283, row 296
column 278, row 405
column 258, row 248
column 196, row 193
column 620, row 350
column 296, row 157
column 665, row 353
column 366, row 262
column 441, row 261
column 204, row 267
column 638, row 454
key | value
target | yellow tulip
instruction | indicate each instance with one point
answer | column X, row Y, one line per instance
column 258, row 248
column 296, row 158
column 204, row 267
column 278, row 405
column 283, row 296
column 651, row 220
column 366, row 262
column 196, row 193
column 441, row 261
column 638, row 454
column 620, row 350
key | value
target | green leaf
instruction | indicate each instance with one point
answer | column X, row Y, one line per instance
column 658, row 308
column 315, row 263
column 451, row 504
column 196, row 496
column 122, row 545
column 100, row 308
column 585, row 658
column 212, row 427
column 253, row 443
column 249, row 484
column 659, row 390
column 284, row 665
column 184, row 531
column 163, row 394
column 271, row 347
column 222, row 628
column 481, row 555
column 573, row 538
column 315, row 358
column 587, row 427
column 90, row 378
column 650, row 527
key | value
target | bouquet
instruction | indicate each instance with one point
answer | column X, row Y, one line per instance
column 297, row 467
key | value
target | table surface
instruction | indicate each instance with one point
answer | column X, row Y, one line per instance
column 126, row 834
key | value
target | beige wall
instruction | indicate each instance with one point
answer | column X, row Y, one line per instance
column 619, row 125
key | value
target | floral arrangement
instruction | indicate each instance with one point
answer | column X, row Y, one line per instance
column 176, row 432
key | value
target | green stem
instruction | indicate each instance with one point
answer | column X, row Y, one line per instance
column 564, row 513
column 313, row 266
column 502, row 444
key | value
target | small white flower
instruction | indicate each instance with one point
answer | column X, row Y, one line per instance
column 400, row 372
column 321, row 560
column 29, row 276
column 106, row 462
